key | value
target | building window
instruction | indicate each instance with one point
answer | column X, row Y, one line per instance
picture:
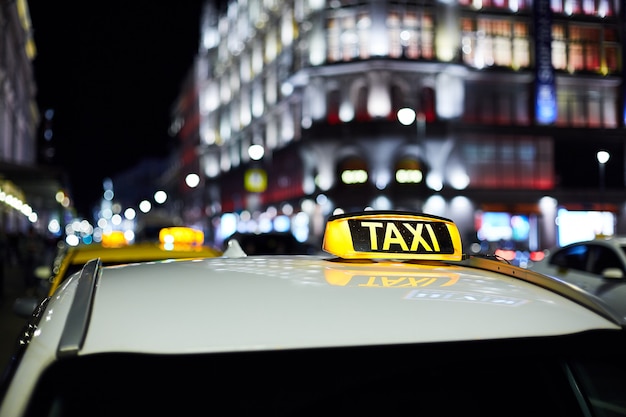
column 587, row 108
column 347, row 35
column 489, row 104
column 349, row 39
column 411, row 34
column 585, row 48
column 510, row 5
column 495, row 42
column 509, row 162
column 599, row 8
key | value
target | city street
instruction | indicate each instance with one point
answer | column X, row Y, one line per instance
column 10, row 324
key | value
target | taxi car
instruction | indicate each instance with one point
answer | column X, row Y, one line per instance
column 176, row 242
column 597, row 266
column 394, row 320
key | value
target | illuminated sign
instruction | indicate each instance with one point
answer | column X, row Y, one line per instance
column 545, row 85
column 181, row 235
column 389, row 234
column 255, row 180
column 114, row 239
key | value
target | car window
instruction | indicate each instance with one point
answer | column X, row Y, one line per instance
column 605, row 388
column 531, row 377
column 601, row 258
column 574, row 257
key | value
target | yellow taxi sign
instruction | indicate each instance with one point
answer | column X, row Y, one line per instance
column 180, row 235
column 114, row 239
column 392, row 234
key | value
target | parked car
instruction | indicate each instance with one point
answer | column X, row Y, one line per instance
column 597, row 266
column 394, row 319
column 273, row 243
column 173, row 243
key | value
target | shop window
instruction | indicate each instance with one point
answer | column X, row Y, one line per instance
column 352, row 171
column 409, row 171
column 502, row 226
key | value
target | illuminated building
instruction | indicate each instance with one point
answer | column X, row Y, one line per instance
column 496, row 92
column 30, row 195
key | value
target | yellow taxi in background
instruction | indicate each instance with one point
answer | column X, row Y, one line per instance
column 174, row 243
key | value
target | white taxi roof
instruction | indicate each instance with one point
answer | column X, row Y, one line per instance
column 392, row 278
column 284, row 302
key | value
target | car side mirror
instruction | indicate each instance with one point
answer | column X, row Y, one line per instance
column 612, row 273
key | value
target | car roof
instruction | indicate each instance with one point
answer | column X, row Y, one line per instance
column 70, row 259
column 138, row 252
column 617, row 241
column 282, row 302
column 389, row 278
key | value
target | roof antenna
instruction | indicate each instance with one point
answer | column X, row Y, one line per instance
column 234, row 250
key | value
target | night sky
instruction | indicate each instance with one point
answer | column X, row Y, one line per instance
column 111, row 71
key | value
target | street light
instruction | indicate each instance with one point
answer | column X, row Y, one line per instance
column 407, row 116
column 603, row 158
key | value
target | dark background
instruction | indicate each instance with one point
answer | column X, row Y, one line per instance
column 111, row 72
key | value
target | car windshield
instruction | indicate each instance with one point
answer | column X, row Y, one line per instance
column 531, row 377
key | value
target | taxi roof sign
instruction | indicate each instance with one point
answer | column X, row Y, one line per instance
column 392, row 234
column 181, row 235
column 114, row 239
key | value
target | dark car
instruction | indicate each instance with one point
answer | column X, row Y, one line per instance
column 273, row 243
column 597, row 266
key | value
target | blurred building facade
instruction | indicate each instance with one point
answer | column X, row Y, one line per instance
column 488, row 112
column 28, row 191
